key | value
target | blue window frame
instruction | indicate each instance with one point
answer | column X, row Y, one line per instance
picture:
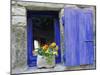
column 31, row 60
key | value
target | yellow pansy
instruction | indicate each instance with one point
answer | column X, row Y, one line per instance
column 56, row 48
column 55, row 53
column 53, row 45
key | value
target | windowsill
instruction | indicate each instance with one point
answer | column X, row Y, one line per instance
column 58, row 67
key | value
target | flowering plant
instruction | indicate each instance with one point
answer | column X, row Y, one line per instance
column 47, row 51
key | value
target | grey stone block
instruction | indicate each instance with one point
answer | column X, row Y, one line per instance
column 18, row 10
column 18, row 46
column 13, row 2
column 41, row 6
column 19, row 20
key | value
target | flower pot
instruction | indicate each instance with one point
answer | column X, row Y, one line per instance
column 43, row 63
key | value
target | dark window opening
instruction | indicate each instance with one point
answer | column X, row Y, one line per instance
column 43, row 29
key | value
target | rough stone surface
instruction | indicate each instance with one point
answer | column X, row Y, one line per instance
column 40, row 4
column 62, row 33
column 13, row 48
column 13, row 2
column 19, row 20
column 18, row 10
column 19, row 52
column 58, row 67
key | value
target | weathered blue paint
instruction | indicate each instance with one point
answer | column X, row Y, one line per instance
column 63, row 20
column 33, row 59
column 57, row 39
column 78, row 37
column 71, row 37
column 86, row 37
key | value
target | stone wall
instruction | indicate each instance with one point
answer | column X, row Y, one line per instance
column 18, row 36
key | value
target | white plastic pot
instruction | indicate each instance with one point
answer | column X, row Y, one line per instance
column 42, row 62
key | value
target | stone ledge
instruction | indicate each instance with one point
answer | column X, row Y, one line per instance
column 40, row 6
column 58, row 67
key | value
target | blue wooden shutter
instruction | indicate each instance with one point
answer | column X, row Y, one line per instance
column 78, row 37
